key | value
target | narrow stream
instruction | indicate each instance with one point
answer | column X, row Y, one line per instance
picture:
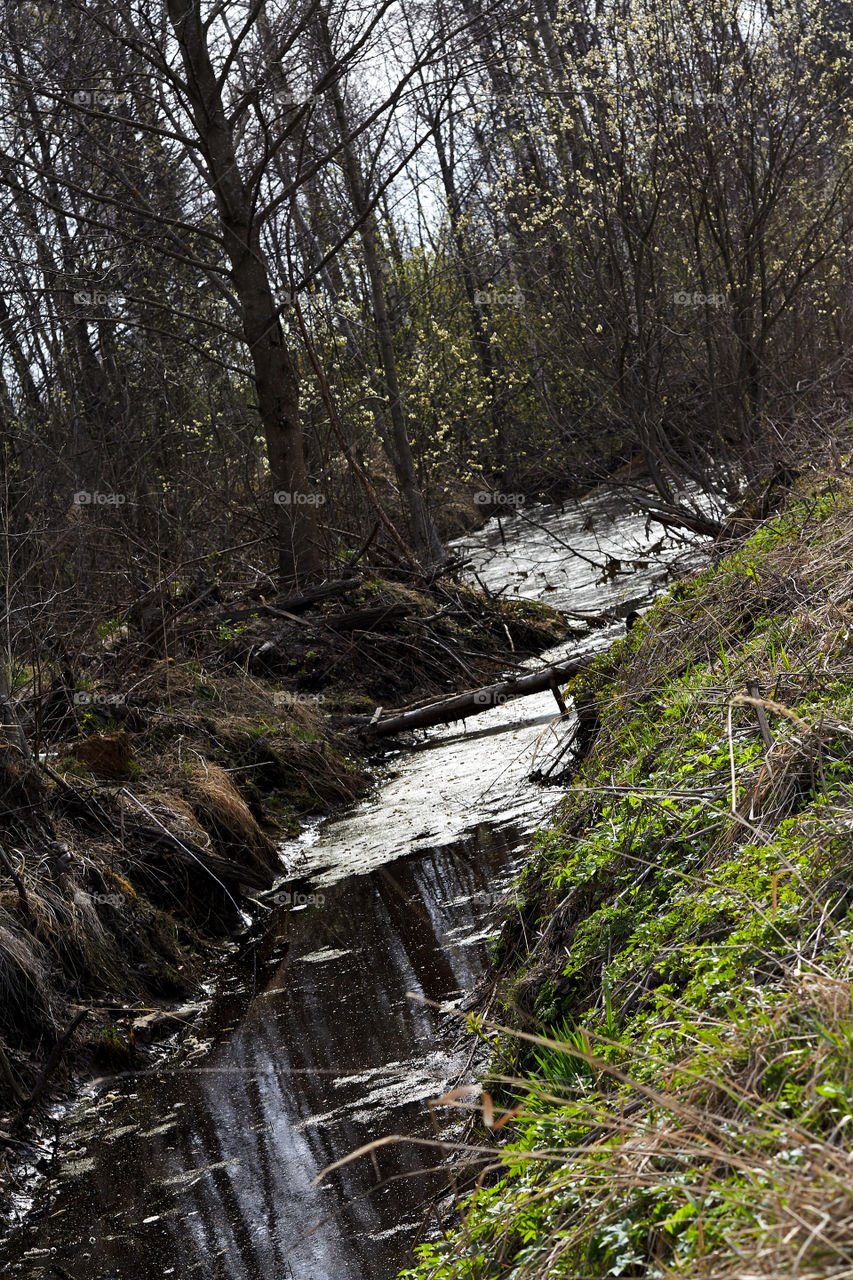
column 207, row 1167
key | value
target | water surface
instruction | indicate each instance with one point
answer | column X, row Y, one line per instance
column 313, row 1045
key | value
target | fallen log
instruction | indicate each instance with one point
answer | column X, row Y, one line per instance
column 366, row 619
column 475, row 701
column 680, row 518
column 313, row 595
column 287, row 606
column 160, row 1023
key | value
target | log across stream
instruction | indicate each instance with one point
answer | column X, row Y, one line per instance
column 205, row 1166
column 475, row 701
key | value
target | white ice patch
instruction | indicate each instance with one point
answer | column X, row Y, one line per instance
column 326, row 953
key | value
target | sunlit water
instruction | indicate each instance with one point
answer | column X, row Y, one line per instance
column 314, row 1044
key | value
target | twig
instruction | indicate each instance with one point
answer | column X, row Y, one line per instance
column 743, row 699
column 18, row 882
column 6, row 1074
column 754, row 692
column 365, row 546
column 53, row 1061
column 731, row 757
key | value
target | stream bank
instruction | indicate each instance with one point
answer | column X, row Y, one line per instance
column 311, row 1044
column 674, row 1060
column 170, row 768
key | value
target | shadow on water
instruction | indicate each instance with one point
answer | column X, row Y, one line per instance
column 209, row 1170
column 312, row 1046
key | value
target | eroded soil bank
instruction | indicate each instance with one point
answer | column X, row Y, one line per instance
column 312, row 1043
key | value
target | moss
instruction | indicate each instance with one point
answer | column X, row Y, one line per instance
column 111, row 1049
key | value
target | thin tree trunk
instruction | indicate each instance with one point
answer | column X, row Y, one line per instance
column 423, row 531
column 479, row 333
column 275, row 372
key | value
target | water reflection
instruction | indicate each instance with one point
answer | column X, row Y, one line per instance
column 209, row 1171
column 314, row 1047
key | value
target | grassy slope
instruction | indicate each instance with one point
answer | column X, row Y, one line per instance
column 692, row 1114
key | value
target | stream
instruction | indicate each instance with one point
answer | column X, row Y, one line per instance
column 205, row 1165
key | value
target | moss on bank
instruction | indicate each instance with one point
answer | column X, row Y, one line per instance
column 677, row 977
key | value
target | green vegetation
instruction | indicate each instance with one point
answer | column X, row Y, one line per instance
column 680, row 1045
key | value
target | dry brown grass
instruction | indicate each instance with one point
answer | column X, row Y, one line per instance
column 107, row 755
column 221, row 810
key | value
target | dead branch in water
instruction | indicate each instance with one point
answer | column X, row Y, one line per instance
column 474, row 701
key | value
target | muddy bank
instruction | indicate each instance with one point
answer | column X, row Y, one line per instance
column 145, row 794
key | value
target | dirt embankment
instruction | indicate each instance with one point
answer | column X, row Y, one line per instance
column 143, row 793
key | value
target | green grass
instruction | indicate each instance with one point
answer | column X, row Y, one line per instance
column 680, row 1042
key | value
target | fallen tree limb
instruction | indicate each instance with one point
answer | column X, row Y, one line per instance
column 756, row 504
column 53, row 1062
column 287, row 606
column 679, row 518
column 474, row 701
column 313, row 595
column 366, row 619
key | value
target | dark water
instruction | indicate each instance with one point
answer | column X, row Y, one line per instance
column 313, row 1047
column 209, row 1170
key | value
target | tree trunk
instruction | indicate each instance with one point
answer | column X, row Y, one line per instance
column 479, row 334
column 423, row 531
column 275, row 373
